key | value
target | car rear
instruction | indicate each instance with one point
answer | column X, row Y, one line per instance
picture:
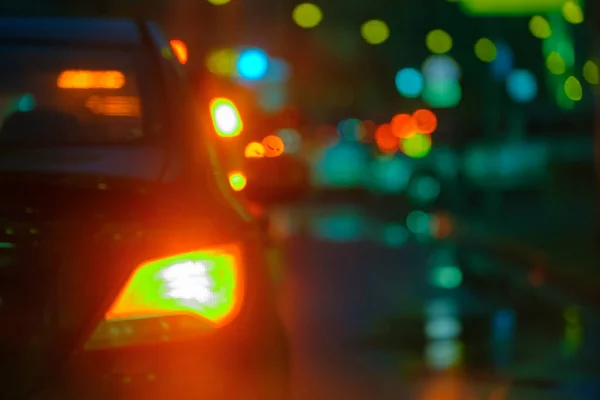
column 141, row 286
column 174, row 306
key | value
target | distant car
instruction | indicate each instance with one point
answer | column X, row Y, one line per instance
column 127, row 267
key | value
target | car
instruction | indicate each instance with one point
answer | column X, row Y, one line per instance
column 128, row 267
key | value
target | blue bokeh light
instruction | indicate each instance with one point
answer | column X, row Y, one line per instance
column 26, row 103
column 277, row 71
column 351, row 129
column 440, row 67
column 503, row 63
column 521, row 85
column 390, row 174
column 253, row 64
column 342, row 165
column 409, row 82
column 346, row 226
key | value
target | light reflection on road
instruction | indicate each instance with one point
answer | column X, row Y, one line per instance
column 374, row 308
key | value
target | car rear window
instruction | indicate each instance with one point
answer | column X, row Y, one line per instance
column 56, row 95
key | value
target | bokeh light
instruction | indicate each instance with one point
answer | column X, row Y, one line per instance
column 385, row 139
column 503, row 64
column 425, row 121
column 441, row 225
column 278, row 71
column 219, row 2
column 438, row 41
column 440, row 67
column 344, row 226
column 390, row 174
column 540, row 27
column 307, row 15
column 442, row 93
column 485, row 50
column 424, row 189
column 342, row 165
column 292, row 140
column 375, row 31
column 573, row 89
column 443, row 328
column 26, row 103
column 180, row 50
column 446, row 276
column 562, row 99
column 223, row 62
column 352, row 129
column 252, row 64
column 563, row 46
column 591, row 73
column 572, row 12
column 225, row 117
column 273, row 146
column 442, row 355
column 409, row 82
column 254, row 150
column 521, row 86
column 555, row 63
column 394, row 235
column 416, row 146
column 237, row 180
column 418, row 222
column 403, row 126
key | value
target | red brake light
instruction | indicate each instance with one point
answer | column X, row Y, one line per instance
column 174, row 297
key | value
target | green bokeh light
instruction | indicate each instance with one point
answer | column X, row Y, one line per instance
column 375, row 31
column 416, row 146
column 438, row 41
column 540, row 27
column 485, row 50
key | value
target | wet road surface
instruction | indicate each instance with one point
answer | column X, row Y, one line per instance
column 377, row 311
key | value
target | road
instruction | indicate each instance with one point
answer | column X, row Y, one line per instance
column 375, row 311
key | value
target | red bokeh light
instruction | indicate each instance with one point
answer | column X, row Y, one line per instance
column 425, row 121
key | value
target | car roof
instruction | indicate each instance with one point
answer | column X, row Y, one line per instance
column 90, row 31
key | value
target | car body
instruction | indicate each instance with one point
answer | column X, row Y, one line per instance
column 128, row 267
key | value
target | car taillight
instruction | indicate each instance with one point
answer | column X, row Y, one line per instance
column 174, row 298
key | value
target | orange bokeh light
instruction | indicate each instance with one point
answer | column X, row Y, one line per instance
column 442, row 226
column 425, row 121
column 403, row 126
column 180, row 50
